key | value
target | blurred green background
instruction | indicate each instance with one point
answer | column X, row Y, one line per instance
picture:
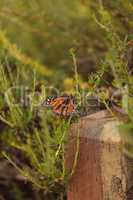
column 42, row 42
column 47, row 30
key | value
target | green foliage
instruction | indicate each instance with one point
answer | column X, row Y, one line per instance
column 40, row 42
column 116, row 67
column 28, row 129
column 50, row 28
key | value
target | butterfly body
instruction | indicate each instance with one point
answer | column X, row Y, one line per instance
column 62, row 105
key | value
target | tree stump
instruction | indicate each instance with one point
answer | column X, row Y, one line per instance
column 102, row 171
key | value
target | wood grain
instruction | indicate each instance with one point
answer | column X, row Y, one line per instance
column 102, row 171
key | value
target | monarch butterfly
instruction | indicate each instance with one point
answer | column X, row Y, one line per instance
column 62, row 105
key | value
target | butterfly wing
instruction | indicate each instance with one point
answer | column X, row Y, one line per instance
column 59, row 104
column 70, row 108
column 62, row 106
column 50, row 101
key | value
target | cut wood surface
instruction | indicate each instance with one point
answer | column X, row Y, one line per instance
column 102, row 171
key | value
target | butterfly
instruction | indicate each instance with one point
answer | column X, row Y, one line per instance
column 61, row 105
